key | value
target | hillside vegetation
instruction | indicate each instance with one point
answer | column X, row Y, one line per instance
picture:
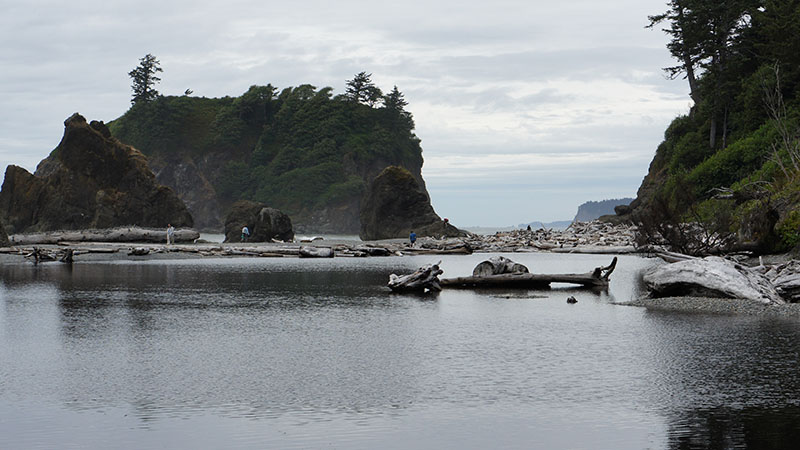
column 302, row 150
column 733, row 162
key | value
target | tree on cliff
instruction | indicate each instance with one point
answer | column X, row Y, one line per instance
column 707, row 36
column 361, row 89
column 143, row 79
column 394, row 104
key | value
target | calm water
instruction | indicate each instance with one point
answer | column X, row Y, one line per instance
column 291, row 353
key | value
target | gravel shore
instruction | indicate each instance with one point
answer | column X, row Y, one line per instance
column 707, row 305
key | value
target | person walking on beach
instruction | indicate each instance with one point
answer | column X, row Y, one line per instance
column 413, row 238
column 245, row 233
column 170, row 234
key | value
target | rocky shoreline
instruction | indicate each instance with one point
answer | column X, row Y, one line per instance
column 712, row 305
column 591, row 237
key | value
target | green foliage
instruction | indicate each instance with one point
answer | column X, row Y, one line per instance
column 789, row 230
column 740, row 139
column 295, row 149
column 734, row 163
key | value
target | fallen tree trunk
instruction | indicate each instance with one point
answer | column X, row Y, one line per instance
column 425, row 279
column 315, row 252
column 496, row 266
column 598, row 277
column 711, row 276
column 122, row 234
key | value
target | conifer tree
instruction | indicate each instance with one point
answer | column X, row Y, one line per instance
column 143, row 79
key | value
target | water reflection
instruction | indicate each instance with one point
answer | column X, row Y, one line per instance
column 725, row 428
column 259, row 344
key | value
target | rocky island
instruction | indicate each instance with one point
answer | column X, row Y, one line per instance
column 90, row 180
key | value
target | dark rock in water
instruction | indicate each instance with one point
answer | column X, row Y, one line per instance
column 90, row 180
column 572, row 300
column 263, row 222
column 3, row 236
column 395, row 205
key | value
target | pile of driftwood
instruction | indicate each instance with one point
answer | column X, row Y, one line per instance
column 594, row 237
column 424, row 280
column 497, row 272
column 714, row 276
column 121, row 234
column 599, row 277
column 39, row 255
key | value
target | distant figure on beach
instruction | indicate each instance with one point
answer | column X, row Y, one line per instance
column 529, row 228
column 170, row 234
column 245, row 233
column 413, row 238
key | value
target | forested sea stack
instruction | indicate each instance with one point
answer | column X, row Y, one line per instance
column 302, row 150
column 90, row 180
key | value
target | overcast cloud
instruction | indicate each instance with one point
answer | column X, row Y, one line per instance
column 526, row 109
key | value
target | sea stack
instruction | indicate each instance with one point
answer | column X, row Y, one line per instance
column 265, row 224
column 91, row 180
column 395, row 205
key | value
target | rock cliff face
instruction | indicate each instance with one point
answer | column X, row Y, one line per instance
column 187, row 177
column 395, row 205
column 3, row 236
column 590, row 211
column 264, row 223
column 90, row 180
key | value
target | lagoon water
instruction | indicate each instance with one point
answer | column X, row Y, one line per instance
column 296, row 353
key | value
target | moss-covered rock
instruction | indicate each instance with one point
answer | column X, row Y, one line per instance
column 395, row 205
column 90, row 180
column 264, row 223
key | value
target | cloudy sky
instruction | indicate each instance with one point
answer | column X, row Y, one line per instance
column 525, row 108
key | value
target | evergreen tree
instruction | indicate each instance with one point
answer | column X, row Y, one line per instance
column 395, row 100
column 143, row 79
column 705, row 36
column 361, row 89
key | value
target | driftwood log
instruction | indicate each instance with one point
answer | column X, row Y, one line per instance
column 425, row 279
column 599, row 277
column 43, row 255
column 315, row 252
column 122, row 234
column 498, row 265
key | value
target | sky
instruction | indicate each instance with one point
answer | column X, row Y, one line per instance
column 525, row 109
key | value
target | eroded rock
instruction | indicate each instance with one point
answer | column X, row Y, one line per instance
column 264, row 223
column 90, row 180
column 396, row 204
column 3, row 236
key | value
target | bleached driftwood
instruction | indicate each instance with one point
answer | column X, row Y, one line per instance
column 315, row 252
column 122, row 234
column 710, row 276
column 498, row 265
column 599, row 277
column 40, row 255
column 425, row 279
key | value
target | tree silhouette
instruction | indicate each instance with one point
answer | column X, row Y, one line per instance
column 143, row 79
